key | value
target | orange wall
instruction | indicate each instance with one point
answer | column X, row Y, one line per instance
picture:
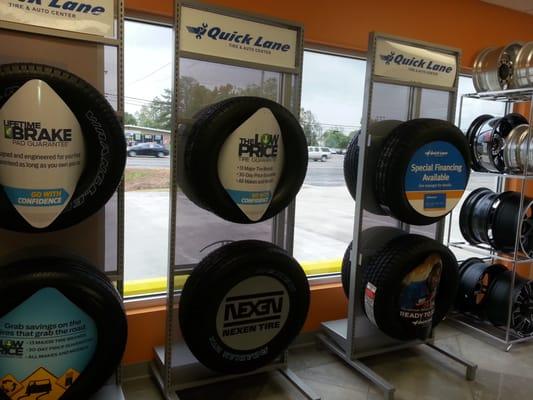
column 467, row 24
column 147, row 326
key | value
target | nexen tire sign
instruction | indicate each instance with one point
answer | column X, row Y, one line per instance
column 211, row 34
column 414, row 64
column 95, row 17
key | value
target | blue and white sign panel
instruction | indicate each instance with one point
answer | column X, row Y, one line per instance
column 208, row 33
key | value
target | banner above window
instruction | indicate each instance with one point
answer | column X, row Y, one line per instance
column 414, row 64
column 95, row 17
column 211, row 34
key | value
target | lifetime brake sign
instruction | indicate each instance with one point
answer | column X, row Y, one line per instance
column 413, row 64
column 211, row 34
column 95, row 17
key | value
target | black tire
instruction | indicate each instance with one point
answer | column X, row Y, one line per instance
column 132, row 153
column 351, row 165
column 201, row 143
column 346, row 270
column 160, row 154
column 209, row 287
column 105, row 144
column 324, row 158
column 372, row 240
column 86, row 288
column 395, row 159
column 386, row 271
column 377, row 132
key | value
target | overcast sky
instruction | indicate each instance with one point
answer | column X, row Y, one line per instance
column 335, row 101
column 332, row 86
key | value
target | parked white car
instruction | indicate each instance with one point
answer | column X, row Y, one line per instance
column 317, row 154
column 327, row 150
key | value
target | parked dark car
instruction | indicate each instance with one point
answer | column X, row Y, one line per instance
column 148, row 149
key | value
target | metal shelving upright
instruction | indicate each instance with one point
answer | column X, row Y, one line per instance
column 500, row 336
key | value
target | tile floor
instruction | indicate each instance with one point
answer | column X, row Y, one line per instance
column 418, row 374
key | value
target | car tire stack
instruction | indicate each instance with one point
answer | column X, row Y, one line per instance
column 245, row 302
column 396, row 187
column 406, row 283
column 68, row 303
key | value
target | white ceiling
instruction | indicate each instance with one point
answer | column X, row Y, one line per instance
column 520, row 5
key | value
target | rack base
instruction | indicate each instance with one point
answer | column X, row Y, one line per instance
column 188, row 373
column 334, row 338
column 486, row 332
column 109, row 392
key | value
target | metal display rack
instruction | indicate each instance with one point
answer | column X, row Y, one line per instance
column 100, row 238
column 501, row 336
column 389, row 97
column 175, row 368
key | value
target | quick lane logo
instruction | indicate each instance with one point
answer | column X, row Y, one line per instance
column 252, row 313
column 33, row 131
column 216, row 33
column 14, row 348
column 400, row 59
column 53, row 5
column 264, row 145
column 199, row 31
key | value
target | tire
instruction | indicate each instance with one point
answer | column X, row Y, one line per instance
column 203, row 143
column 372, row 240
column 105, row 144
column 324, row 158
column 377, row 132
column 346, row 270
column 132, row 153
column 160, row 154
column 382, row 286
column 54, row 290
column 208, row 302
column 351, row 166
column 426, row 142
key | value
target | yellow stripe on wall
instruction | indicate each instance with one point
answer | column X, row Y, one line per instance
column 159, row 285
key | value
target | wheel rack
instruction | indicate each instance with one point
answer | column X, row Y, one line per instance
column 503, row 337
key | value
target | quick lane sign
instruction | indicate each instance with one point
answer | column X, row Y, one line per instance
column 95, row 17
column 414, row 64
column 207, row 33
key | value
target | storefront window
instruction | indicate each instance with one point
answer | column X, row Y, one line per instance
column 332, row 106
column 148, row 78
